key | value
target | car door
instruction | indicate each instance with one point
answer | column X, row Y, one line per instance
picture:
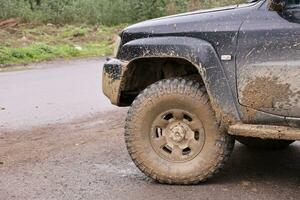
column 268, row 61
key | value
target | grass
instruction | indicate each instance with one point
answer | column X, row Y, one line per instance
column 27, row 43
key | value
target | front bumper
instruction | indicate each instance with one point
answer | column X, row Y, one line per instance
column 113, row 73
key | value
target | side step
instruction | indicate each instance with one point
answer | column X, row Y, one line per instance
column 265, row 131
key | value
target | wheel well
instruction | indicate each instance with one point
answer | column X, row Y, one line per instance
column 143, row 72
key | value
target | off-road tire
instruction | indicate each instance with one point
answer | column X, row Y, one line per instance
column 257, row 143
column 173, row 94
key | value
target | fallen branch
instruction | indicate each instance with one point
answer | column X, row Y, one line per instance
column 9, row 22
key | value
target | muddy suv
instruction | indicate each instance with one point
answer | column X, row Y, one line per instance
column 196, row 82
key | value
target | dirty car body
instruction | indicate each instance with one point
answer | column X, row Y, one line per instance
column 247, row 57
column 256, row 81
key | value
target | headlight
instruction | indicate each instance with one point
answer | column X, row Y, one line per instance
column 117, row 46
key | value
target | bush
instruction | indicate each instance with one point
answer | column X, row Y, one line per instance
column 107, row 12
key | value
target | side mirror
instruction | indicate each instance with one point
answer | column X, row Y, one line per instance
column 276, row 5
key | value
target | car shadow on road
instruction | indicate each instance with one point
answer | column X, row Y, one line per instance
column 280, row 167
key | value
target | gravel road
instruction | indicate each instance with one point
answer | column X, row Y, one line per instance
column 61, row 139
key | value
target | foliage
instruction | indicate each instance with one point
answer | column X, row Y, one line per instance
column 74, row 28
column 37, row 43
column 108, row 12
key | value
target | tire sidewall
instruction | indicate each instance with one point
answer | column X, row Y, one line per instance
column 152, row 104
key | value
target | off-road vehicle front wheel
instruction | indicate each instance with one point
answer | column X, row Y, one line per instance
column 172, row 134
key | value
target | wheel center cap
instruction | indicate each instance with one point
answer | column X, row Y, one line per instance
column 178, row 133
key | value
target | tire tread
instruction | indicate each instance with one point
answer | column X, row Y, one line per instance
column 188, row 87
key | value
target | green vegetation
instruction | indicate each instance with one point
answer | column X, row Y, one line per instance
column 26, row 43
column 107, row 12
column 49, row 29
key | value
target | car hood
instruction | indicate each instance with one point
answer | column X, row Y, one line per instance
column 188, row 23
column 178, row 18
column 196, row 12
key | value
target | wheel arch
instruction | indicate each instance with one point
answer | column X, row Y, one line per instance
column 197, row 56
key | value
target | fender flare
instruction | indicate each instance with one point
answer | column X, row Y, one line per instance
column 202, row 55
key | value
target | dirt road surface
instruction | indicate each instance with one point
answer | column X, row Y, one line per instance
column 61, row 139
